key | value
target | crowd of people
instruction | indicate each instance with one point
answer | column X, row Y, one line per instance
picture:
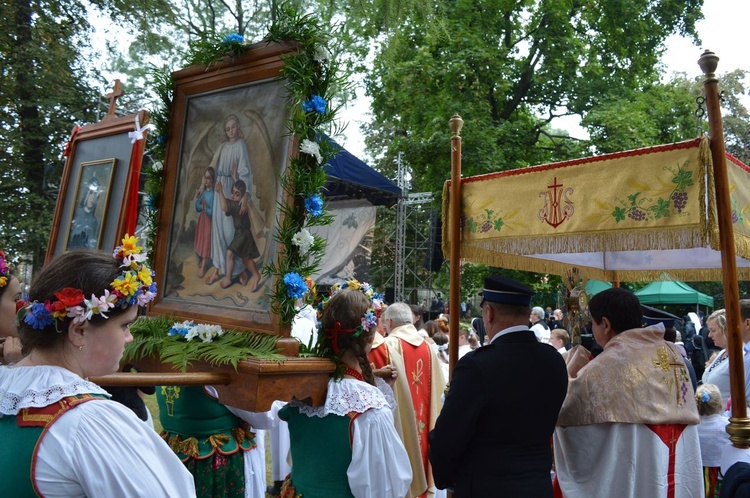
column 525, row 414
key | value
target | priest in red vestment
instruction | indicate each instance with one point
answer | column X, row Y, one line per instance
column 628, row 427
column 421, row 374
column 382, row 355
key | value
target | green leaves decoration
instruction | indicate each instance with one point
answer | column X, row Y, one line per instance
column 150, row 338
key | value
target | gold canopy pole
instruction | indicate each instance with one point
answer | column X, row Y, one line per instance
column 456, row 123
column 739, row 424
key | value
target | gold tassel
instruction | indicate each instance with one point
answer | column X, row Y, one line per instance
column 239, row 434
column 175, row 443
column 189, row 447
column 218, row 440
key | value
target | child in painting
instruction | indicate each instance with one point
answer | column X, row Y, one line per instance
column 243, row 244
column 204, row 204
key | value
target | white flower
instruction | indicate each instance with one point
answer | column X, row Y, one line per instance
column 312, row 148
column 133, row 260
column 100, row 305
column 303, row 239
column 157, row 166
column 79, row 314
column 321, row 54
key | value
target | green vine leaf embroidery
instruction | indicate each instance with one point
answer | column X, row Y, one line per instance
column 618, row 214
column 483, row 223
column 661, row 209
column 639, row 207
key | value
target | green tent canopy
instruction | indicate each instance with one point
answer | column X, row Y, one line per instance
column 672, row 292
column 594, row 287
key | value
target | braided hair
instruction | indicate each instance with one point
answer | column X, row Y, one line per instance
column 343, row 330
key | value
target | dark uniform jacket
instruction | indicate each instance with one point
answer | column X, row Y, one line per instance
column 493, row 435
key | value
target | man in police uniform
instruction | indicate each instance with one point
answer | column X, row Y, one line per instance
column 492, row 437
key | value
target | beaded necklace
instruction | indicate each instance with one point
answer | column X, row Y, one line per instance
column 350, row 371
column 718, row 361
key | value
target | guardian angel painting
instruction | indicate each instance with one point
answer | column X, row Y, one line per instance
column 233, row 149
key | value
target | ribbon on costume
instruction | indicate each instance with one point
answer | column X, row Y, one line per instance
column 138, row 133
column 131, row 209
column 332, row 334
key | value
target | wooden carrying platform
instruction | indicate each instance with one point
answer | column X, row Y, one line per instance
column 254, row 386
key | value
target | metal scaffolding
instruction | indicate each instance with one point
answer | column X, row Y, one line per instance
column 412, row 240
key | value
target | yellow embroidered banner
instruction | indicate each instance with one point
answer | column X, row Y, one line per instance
column 624, row 216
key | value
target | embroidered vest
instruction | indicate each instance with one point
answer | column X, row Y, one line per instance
column 196, row 425
column 21, row 436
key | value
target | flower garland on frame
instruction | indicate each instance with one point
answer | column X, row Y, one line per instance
column 311, row 78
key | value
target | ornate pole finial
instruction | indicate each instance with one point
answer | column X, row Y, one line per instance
column 456, row 123
column 708, row 63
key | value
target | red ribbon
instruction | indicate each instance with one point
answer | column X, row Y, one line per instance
column 332, row 334
column 131, row 211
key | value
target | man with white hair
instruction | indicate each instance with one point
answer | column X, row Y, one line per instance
column 421, row 373
column 539, row 325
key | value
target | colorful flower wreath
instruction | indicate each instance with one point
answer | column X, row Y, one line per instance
column 376, row 298
column 369, row 319
column 4, row 270
column 134, row 286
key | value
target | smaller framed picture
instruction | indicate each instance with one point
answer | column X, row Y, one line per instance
column 98, row 200
column 91, row 196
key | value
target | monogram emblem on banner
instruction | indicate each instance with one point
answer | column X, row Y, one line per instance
column 557, row 206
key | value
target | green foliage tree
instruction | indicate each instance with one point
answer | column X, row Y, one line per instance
column 45, row 92
column 510, row 68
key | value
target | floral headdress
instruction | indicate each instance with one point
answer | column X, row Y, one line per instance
column 4, row 270
column 376, row 298
column 134, row 286
column 369, row 319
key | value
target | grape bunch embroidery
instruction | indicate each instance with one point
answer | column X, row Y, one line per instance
column 483, row 222
column 639, row 207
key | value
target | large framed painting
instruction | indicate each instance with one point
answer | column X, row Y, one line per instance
column 97, row 203
column 228, row 147
column 91, row 194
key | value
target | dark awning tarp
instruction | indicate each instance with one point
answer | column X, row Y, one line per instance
column 672, row 292
column 349, row 177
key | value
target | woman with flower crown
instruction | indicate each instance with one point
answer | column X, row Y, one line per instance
column 10, row 294
column 62, row 436
column 363, row 455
